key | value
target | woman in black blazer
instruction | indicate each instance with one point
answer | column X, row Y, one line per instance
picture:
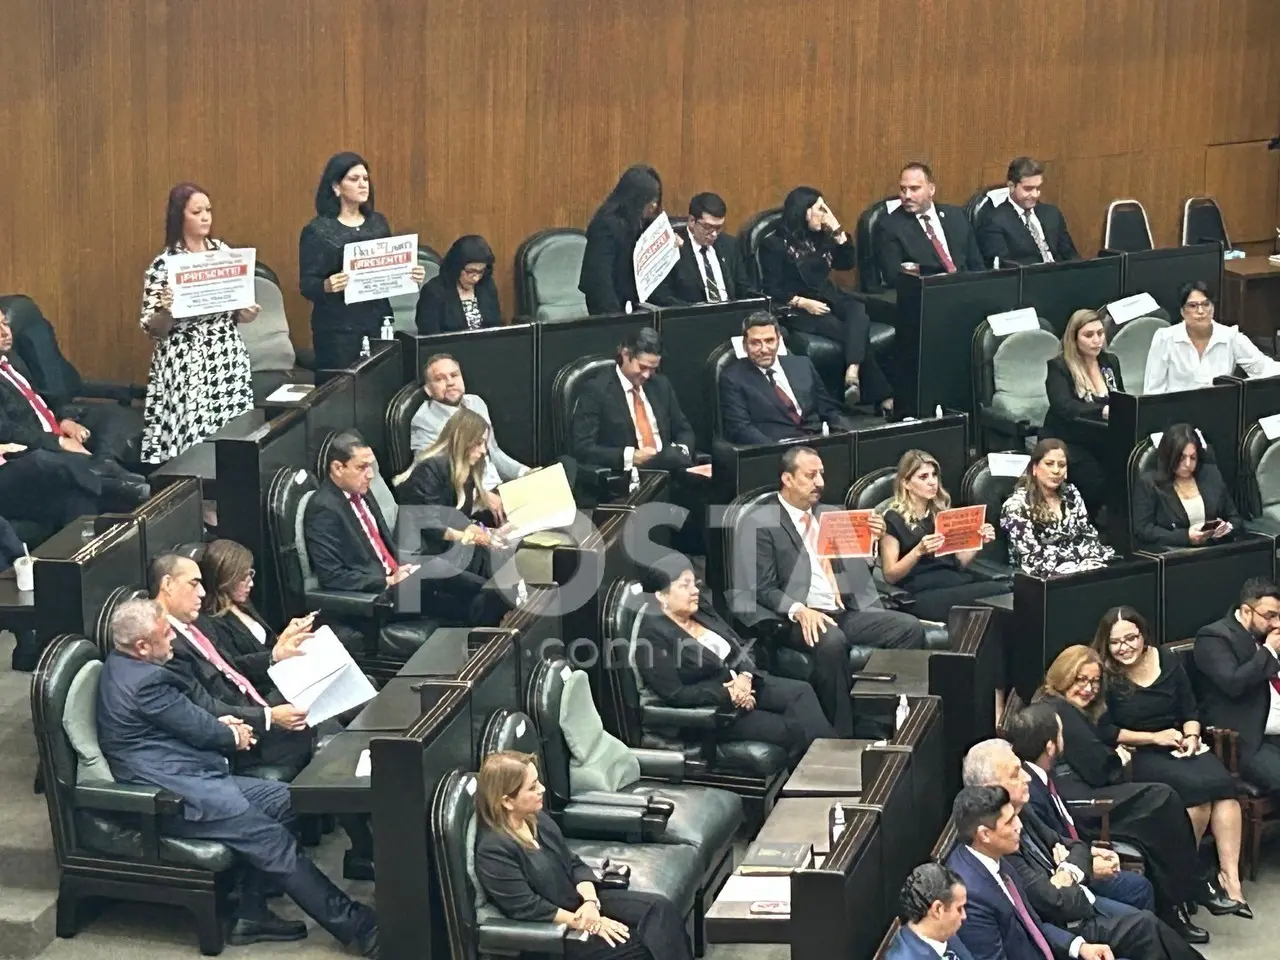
column 1079, row 383
column 446, row 486
column 1183, row 502
column 525, row 867
column 608, row 278
column 463, row 296
column 694, row 659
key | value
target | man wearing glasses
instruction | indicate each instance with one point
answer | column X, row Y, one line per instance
column 710, row 269
column 1237, row 657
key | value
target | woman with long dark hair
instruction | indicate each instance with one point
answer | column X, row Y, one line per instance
column 199, row 377
column 1183, row 502
column 344, row 214
column 608, row 278
column 463, row 296
column 796, row 260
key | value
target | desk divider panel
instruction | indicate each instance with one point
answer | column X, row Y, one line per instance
column 172, row 517
column 945, row 437
column 738, row 469
column 692, row 332
column 492, row 676
column 936, row 320
column 561, row 343
column 1162, row 272
column 377, row 378
column 1200, row 584
column 837, row 909
column 1258, row 398
column 966, row 677
column 536, row 628
column 1052, row 614
column 407, row 768
column 923, row 735
column 329, row 408
column 498, row 364
column 1057, row 290
column 70, row 592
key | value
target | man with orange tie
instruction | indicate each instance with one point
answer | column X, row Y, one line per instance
column 921, row 236
column 832, row 605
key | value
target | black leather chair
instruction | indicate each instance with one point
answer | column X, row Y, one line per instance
column 548, row 265
column 717, row 360
column 1260, row 481
column 477, row 929
column 1202, row 222
column 601, row 482
column 979, row 204
column 1126, row 228
column 399, row 420
column 749, row 236
column 1008, row 383
column 870, row 280
column 979, row 486
column 383, row 644
column 106, row 835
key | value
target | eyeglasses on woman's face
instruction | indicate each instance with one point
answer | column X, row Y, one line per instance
column 1082, row 682
column 1130, row 639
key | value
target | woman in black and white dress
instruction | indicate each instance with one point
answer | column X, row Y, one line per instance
column 199, row 378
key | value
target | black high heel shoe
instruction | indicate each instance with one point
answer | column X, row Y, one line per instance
column 1211, row 897
column 1242, row 906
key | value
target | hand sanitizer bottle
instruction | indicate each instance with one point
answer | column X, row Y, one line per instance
column 388, row 329
column 364, row 347
column 900, row 715
column 837, row 823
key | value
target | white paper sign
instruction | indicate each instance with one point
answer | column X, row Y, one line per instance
column 364, row 766
column 1014, row 321
column 654, row 256
column 1139, row 305
column 290, row 393
column 1007, row 464
column 215, row 281
column 1155, row 438
column 324, row 680
column 740, row 351
column 377, row 269
column 1270, row 426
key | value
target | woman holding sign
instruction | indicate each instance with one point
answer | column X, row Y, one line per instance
column 344, row 214
column 199, row 377
column 608, row 277
column 916, row 555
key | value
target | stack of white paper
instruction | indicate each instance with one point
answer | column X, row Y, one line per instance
column 324, row 680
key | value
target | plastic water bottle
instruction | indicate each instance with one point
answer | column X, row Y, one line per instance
column 837, row 823
column 364, row 347
column 900, row 715
column 388, row 331
column 937, row 411
column 826, row 429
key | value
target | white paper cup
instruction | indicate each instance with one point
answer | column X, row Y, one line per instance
column 24, row 573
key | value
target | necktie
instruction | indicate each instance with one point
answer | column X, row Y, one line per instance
column 787, row 405
column 37, row 402
column 644, row 429
column 1062, row 809
column 713, row 288
column 1037, row 234
column 1020, row 908
column 206, row 647
column 810, row 533
column 375, row 537
column 938, row 248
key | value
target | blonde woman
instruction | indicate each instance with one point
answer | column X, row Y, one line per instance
column 1079, row 384
column 1046, row 521
column 444, row 501
column 909, row 545
column 528, row 871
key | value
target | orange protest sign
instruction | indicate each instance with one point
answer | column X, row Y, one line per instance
column 961, row 527
column 845, row 533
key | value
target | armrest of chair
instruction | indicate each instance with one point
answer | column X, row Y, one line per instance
column 345, row 603
column 1225, row 744
column 660, row 764
column 677, row 718
column 1098, row 806
column 894, row 597
column 994, row 420
column 990, row 570
column 1263, row 525
column 136, row 798
column 122, row 393
column 625, row 818
column 500, row 936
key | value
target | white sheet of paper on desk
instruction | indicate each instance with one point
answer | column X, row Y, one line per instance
column 364, row 766
column 324, row 680
column 740, row 889
column 1014, row 321
column 1270, row 426
column 740, row 351
column 290, row 393
column 1129, row 308
column 1007, row 464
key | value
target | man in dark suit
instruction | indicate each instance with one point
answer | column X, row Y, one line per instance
column 151, row 732
column 1059, row 873
column 765, row 397
column 1237, row 659
column 830, row 603
column 710, row 268
column 1023, row 230
column 931, row 907
column 628, row 416
column 922, row 236
column 1000, row 920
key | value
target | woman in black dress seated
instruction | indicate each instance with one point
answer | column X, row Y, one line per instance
column 692, row 658
column 463, row 296
column 1079, row 383
column 1150, row 815
column 1153, row 714
column 796, row 260
column 524, row 866
column 234, row 626
column 449, row 509
column 608, row 277
column 1183, row 502
column 909, row 545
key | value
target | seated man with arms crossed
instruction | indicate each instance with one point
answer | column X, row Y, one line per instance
column 152, row 732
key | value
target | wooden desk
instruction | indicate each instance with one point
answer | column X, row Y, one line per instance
column 830, row 768
column 802, row 820
column 911, row 667
column 1251, row 295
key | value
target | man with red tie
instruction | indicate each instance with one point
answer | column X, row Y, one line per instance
column 921, row 236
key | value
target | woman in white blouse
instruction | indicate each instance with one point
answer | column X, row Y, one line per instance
column 1190, row 354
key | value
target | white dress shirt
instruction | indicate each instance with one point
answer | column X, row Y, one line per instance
column 937, row 946
column 993, row 867
column 936, row 222
column 780, row 378
column 1175, row 364
column 185, row 630
column 1273, row 715
column 715, row 267
column 819, row 596
column 627, row 390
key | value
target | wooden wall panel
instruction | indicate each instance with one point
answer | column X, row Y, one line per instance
column 501, row 117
